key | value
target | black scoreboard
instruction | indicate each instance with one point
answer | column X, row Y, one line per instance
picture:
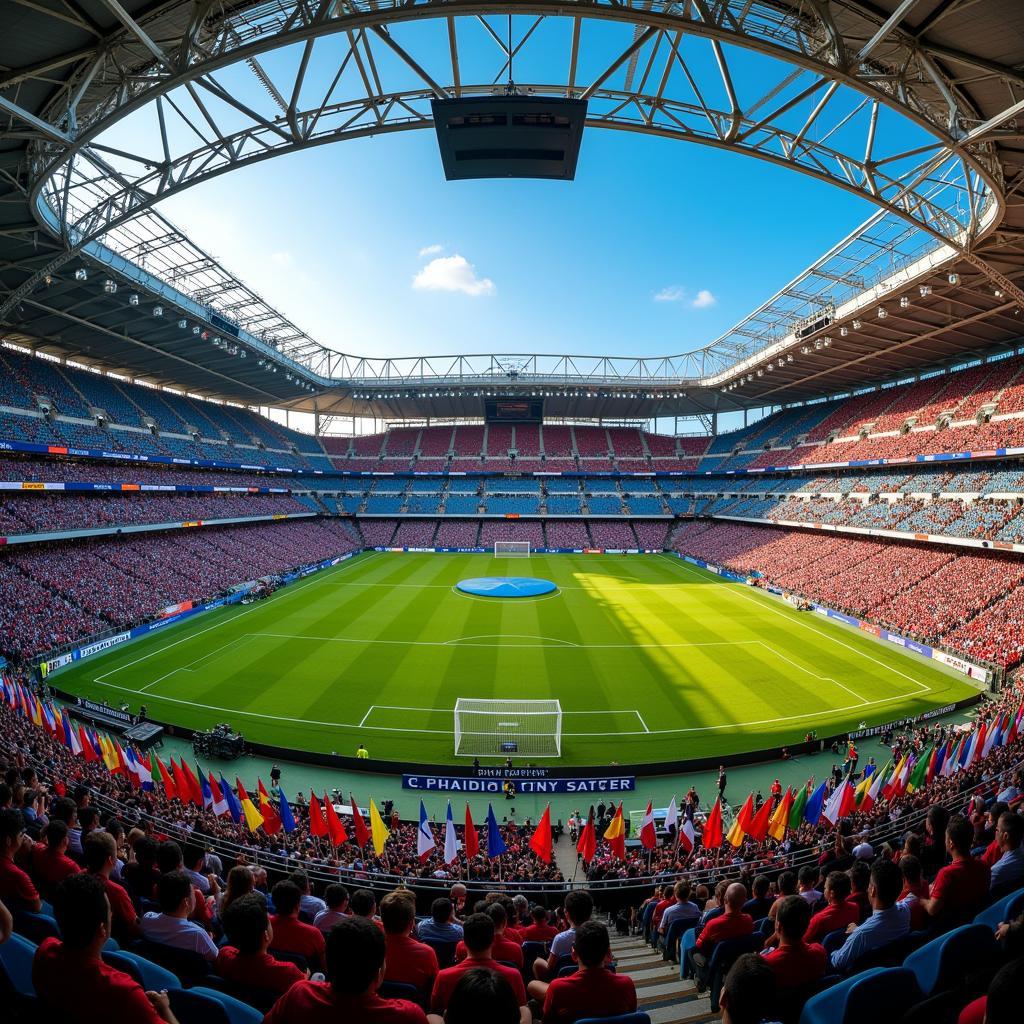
column 513, row 410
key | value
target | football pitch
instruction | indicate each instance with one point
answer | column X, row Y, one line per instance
column 652, row 660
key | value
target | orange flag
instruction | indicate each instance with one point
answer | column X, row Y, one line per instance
column 616, row 835
column 271, row 819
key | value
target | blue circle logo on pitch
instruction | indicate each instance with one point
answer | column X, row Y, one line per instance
column 506, row 586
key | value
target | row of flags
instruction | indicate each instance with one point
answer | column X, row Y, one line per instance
column 807, row 804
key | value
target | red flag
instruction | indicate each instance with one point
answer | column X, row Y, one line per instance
column 712, row 835
column 848, row 801
column 170, row 790
column 88, row 750
column 317, row 825
column 181, row 786
column 746, row 815
column 335, row 829
column 587, row 846
column 648, row 834
column 362, row 832
column 271, row 819
column 470, row 841
column 758, row 828
column 540, row 841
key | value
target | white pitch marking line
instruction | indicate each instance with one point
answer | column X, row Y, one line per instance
column 362, row 721
column 680, row 564
column 217, row 625
column 642, row 722
column 464, row 640
column 813, row 675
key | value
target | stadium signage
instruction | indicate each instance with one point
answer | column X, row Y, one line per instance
column 877, row 730
column 469, row 784
column 103, row 709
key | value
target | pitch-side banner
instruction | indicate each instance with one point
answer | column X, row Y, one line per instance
column 461, row 784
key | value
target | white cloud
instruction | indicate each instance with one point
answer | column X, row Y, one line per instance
column 431, row 250
column 704, row 300
column 670, row 293
column 452, row 274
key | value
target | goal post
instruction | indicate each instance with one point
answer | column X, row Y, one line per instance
column 523, row 728
column 511, row 549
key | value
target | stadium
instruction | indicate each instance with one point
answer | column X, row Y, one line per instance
column 347, row 681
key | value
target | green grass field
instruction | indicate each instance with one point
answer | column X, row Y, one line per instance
column 651, row 660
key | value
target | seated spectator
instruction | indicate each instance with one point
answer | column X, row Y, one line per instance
column 807, row 885
column 682, row 909
column 593, row 991
column 309, row 905
column 69, row 974
column 99, row 853
column 245, row 960
column 364, row 904
column 748, row 988
column 355, row 970
column 194, row 859
column 292, row 935
column 49, row 862
column 504, row 950
column 1008, row 872
column 441, row 926
column 796, row 963
column 480, row 995
column 336, row 901
column 540, row 930
column 65, row 810
column 839, row 912
column 241, row 882
column 915, row 889
column 961, row 888
column 579, row 905
column 172, row 927
column 141, row 875
column 786, row 885
column 407, row 961
column 888, row 922
column 169, row 859
column 860, row 879
column 761, row 902
column 731, row 924
column 16, row 889
column 479, row 937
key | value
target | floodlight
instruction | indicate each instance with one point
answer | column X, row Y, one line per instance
column 925, row 289
column 109, row 286
column 81, row 274
column 158, row 311
column 133, row 299
column 844, row 331
column 904, row 302
column 882, row 312
column 954, row 278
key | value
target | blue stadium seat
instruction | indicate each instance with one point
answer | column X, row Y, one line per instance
column 673, row 937
column 686, row 943
column 208, row 1006
column 725, row 954
column 623, row 1018
column 861, row 997
column 151, row 976
column 445, row 952
column 190, row 968
column 36, row 927
column 1005, row 909
column 16, row 955
column 401, row 990
column 645, row 921
column 531, row 951
column 942, row 963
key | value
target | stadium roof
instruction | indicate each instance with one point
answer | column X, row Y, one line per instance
column 932, row 279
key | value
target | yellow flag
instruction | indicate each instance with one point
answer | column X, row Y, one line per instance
column 736, row 834
column 253, row 818
column 378, row 830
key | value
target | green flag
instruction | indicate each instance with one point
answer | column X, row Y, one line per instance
column 920, row 769
column 796, row 815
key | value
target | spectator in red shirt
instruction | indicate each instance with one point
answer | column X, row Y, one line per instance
column 732, row 924
column 479, row 937
column 245, row 960
column 504, row 950
column 407, row 961
column 292, row 935
column 49, row 862
column 593, row 991
column 860, row 879
column 69, row 975
column 960, row 889
column 16, row 888
column 839, row 913
column 99, row 852
column 796, row 963
column 540, row 930
column 355, row 970
column 364, row 904
column 915, row 889
column 480, row 995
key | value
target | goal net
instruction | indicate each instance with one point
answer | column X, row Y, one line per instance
column 524, row 728
column 512, row 549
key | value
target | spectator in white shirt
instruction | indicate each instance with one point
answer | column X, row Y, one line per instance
column 171, row 927
column 1008, row 871
column 309, row 905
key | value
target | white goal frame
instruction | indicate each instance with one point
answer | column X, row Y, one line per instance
column 482, row 726
column 512, row 549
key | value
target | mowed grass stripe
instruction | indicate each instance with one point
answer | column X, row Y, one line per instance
column 710, row 666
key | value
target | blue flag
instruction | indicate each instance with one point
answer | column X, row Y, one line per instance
column 495, row 844
column 285, row 813
column 234, row 807
column 812, row 810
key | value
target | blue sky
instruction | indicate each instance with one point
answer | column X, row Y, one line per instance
column 657, row 247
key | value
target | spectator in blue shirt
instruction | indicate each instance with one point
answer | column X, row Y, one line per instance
column 888, row 922
column 1008, row 871
column 441, row 926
